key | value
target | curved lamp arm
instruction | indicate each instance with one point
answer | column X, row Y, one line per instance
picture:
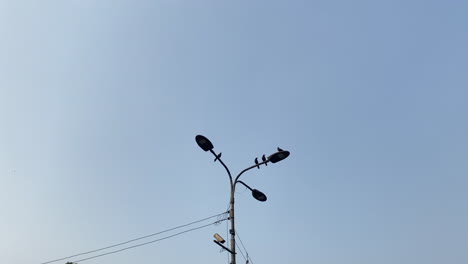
column 224, row 165
column 248, row 187
column 255, row 193
column 251, row 167
column 275, row 157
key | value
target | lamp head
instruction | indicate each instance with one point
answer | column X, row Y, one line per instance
column 204, row 143
column 278, row 156
column 219, row 238
column 259, row 195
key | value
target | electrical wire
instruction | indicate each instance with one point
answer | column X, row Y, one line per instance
column 237, row 245
column 237, row 234
column 132, row 240
column 146, row 243
column 246, row 252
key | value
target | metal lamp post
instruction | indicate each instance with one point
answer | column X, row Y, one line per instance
column 206, row 145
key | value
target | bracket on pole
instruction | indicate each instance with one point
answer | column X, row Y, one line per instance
column 225, row 248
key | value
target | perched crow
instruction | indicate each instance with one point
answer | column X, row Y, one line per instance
column 264, row 159
column 256, row 162
column 218, row 157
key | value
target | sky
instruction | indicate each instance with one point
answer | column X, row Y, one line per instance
column 100, row 103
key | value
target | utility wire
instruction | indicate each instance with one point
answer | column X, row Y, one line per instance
column 246, row 252
column 240, row 241
column 142, row 244
column 132, row 240
column 237, row 245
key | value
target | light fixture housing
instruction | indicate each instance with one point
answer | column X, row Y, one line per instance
column 219, row 238
column 204, row 143
column 259, row 195
column 278, row 156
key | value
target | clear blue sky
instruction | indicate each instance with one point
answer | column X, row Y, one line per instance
column 100, row 102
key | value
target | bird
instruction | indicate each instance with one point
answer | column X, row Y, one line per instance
column 264, row 159
column 256, row 162
column 218, row 157
column 280, row 149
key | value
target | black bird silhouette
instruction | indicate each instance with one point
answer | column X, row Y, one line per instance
column 256, row 162
column 218, row 157
column 264, row 159
column 280, row 149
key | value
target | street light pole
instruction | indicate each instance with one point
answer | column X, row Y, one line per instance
column 206, row 145
column 232, row 231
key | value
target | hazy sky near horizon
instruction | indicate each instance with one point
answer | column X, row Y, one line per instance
column 100, row 103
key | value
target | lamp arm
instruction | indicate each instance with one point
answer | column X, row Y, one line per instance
column 251, row 167
column 248, row 187
column 225, row 167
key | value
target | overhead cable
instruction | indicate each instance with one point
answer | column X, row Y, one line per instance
column 246, row 252
column 237, row 245
column 135, row 239
column 146, row 243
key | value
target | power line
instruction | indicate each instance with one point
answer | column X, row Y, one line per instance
column 237, row 245
column 246, row 252
column 132, row 240
column 142, row 244
column 240, row 241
